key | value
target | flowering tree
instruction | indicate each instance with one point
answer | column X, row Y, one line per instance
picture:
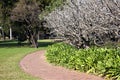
column 86, row 22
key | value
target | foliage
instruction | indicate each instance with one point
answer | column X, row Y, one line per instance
column 86, row 22
column 50, row 5
column 100, row 61
column 26, row 12
column 5, row 8
column 23, row 17
column 5, row 12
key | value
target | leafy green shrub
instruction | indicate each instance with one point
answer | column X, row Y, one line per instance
column 100, row 61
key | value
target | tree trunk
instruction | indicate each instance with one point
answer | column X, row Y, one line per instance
column 3, row 35
column 38, row 35
column 10, row 33
column 34, row 41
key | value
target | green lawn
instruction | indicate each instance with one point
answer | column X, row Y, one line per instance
column 10, row 56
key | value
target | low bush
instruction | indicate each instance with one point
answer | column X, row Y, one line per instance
column 99, row 61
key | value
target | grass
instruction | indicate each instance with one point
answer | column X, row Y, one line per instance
column 10, row 56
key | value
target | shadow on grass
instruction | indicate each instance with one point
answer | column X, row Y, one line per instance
column 10, row 44
column 13, row 44
column 45, row 44
column 7, row 41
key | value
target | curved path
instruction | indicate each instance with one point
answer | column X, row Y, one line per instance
column 36, row 65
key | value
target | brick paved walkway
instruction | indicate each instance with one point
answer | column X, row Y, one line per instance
column 36, row 65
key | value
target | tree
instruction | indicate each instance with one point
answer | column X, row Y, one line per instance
column 86, row 22
column 26, row 14
column 5, row 11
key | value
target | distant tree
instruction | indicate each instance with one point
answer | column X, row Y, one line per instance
column 86, row 22
column 50, row 5
column 5, row 11
column 26, row 14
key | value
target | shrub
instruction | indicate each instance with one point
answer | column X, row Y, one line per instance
column 99, row 61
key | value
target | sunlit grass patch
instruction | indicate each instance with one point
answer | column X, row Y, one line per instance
column 10, row 57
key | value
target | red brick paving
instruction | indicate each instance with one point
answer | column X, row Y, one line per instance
column 36, row 65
